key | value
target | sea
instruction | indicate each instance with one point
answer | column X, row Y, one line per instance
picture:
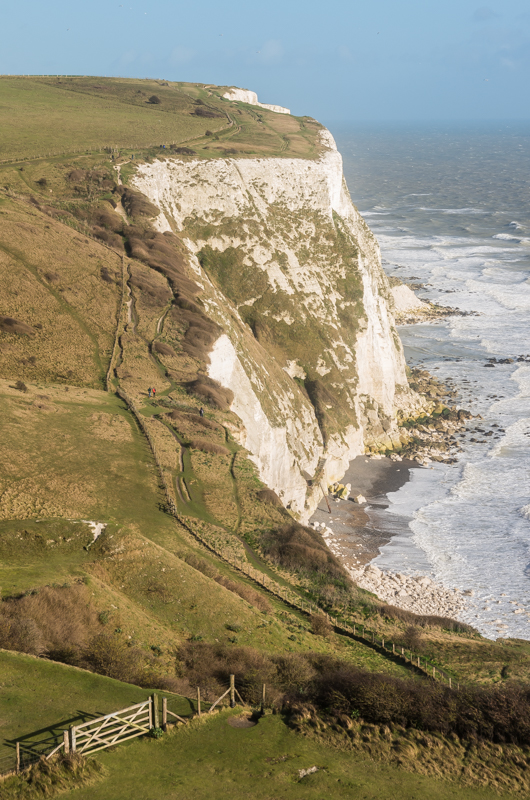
column 450, row 207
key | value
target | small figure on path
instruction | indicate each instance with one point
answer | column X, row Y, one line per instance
column 149, row 391
column 201, row 412
column 154, row 391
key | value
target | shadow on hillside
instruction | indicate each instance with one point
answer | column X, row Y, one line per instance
column 38, row 743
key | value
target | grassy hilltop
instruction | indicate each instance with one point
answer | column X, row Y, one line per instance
column 199, row 571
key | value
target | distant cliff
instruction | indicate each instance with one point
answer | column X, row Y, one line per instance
column 292, row 274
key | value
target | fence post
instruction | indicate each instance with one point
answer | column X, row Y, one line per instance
column 66, row 742
column 354, row 630
column 164, row 713
column 18, row 756
column 72, row 739
column 393, row 649
column 198, row 701
column 155, row 718
column 263, row 699
column 373, row 638
column 418, row 661
column 232, row 691
column 434, row 672
column 383, row 643
column 450, row 682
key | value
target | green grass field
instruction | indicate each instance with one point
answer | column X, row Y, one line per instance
column 51, row 116
column 211, row 759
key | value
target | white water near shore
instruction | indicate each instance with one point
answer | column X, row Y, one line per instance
column 451, row 210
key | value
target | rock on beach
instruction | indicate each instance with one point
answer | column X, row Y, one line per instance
column 416, row 593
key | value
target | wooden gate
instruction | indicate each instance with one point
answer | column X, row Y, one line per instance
column 112, row 728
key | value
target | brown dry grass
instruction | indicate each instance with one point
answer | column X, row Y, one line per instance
column 50, row 279
column 209, row 447
column 51, row 621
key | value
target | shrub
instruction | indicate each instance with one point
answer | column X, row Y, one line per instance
column 163, row 349
column 154, row 100
column 209, row 113
column 109, row 654
column 211, row 391
column 269, row 496
column 52, row 621
column 320, row 625
column 412, row 638
column 209, row 447
column 21, row 386
column 11, row 325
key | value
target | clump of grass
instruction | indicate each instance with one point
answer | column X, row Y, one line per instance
column 50, row 778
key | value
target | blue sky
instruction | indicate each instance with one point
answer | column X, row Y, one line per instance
column 352, row 61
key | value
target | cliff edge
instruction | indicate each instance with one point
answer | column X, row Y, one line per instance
column 292, row 274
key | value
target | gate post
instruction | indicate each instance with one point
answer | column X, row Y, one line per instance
column 198, row 701
column 154, row 718
column 66, row 743
column 164, row 713
column 232, row 691
column 72, row 739
column 18, row 756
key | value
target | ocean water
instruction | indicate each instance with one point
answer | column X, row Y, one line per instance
column 450, row 206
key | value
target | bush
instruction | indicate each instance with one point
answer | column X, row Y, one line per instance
column 209, row 113
column 109, row 654
column 320, row 625
column 154, row 100
column 205, row 387
column 54, row 622
column 269, row 496
column 21, row 386
column 163, row 349
column 209, row 447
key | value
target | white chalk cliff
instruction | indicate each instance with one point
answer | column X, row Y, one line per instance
column 293, row 275
column 247, row 96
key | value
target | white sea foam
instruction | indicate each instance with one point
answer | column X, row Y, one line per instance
column 506, row 237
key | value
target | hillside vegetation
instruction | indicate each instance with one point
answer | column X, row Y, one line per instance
column 96, row 307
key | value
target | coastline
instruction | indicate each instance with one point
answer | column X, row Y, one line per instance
column 355, row 537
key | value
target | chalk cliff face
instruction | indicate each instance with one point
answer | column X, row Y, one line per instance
column 247, row 96
column 293, row 275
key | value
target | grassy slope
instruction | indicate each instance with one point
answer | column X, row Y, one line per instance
column 51, row 116
column 75, row 452
column 40, row 699
column 212, row 759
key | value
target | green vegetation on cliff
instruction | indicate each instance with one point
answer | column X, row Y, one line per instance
column 96, row 307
